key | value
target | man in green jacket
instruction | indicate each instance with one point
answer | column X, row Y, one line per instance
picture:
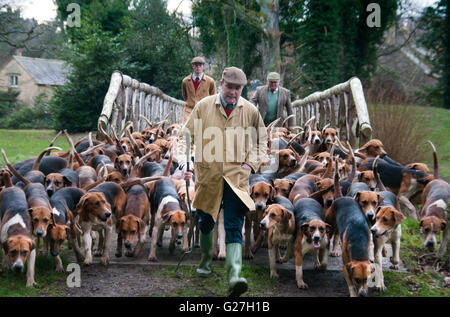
column 273, row 101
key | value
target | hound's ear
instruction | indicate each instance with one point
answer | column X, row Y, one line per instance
column 32, row 245
column 272, row 193
column 167, row 216
column 80, row 205
column 286, row 213
column 443, row 224
column 360, row 176
column 141, row 226
column 304, row 227
column 356, row 197
column 364, row 147
column 30, row 211
column 67, row 182
column 291, row 184
column 119, row 226
column 349, row 267
column 329, row 228
column 116, row 161
column 5, row 246
column 398, row 216
column 380, row 198
column 377, row 210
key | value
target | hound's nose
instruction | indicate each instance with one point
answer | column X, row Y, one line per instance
column 54, row 253
column 39, row 233
column 50, row 192
column 373, row 230
column 372, row 188
column 363, row 293
column 179, row 236
column 316, row 238
column 430, row 245
column 370, row 216
column 329, row 201
column 127, row 244
column 18, row 267
column 293, row 161
column 260, row 206
column 107, row 214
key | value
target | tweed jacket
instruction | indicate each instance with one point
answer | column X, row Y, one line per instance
column 206, row 88
column 222, row 145
column 284, row 110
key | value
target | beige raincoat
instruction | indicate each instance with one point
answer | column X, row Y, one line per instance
column 222, row 145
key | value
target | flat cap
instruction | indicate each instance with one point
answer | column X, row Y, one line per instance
column 273, row 76
column 234, row 75
column 198, row 59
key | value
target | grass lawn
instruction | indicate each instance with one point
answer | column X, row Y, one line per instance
column 421, row 280
column 20, row 145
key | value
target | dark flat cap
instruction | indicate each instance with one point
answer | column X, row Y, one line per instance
column 234, row 75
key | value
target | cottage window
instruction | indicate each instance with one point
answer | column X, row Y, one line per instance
column 13, row 81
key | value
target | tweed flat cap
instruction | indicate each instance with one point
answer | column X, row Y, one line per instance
column 234, row 75
column 273, row 76
column 198, row 59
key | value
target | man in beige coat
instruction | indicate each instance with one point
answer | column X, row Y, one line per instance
column 196, row 86
column 231, row 141
column 273, row 101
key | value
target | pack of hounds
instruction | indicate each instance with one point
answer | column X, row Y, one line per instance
column 322, row 197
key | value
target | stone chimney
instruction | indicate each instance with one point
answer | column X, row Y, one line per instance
column 19, row 52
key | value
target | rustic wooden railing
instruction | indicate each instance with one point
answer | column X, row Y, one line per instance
column 342, row 106
column 127, row 99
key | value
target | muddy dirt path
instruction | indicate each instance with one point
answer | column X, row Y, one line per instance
column 131, row 277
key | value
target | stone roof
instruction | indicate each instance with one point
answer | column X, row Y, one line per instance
column 50, row 72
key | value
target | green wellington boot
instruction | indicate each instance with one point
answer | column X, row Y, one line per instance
column 238, row 285
column 204, row 268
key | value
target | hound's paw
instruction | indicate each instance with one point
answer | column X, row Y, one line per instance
column 302, row 285
column 335, row 254
column 274, row 274
column 105, row 260
column 87, row 262
column 31, row 283
column 60, row 269
column 152, row 259
column 381, row 288
column 323, row 267
column 394, row 266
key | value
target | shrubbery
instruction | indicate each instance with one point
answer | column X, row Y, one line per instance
column 21, row 116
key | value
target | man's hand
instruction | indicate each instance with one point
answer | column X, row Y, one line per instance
column 186, row 174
